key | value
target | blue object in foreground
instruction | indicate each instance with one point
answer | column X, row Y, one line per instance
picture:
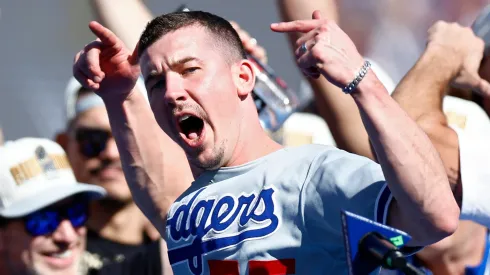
column 355, row 228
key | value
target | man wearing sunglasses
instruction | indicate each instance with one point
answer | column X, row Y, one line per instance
column 116, row 229
column 43, row 210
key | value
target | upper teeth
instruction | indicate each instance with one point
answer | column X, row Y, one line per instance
column 64, row 254
column 184, row 118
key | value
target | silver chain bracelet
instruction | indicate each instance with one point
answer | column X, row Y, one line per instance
column 353, row 85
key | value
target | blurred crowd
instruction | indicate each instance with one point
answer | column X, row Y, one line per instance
column 65, row 207
column 394, row 33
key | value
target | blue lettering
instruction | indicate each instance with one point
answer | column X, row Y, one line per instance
column 199, row 229
column 179, row 232
column 217, row 218
column 219, row 215
column 266, row 197
column 246, row 215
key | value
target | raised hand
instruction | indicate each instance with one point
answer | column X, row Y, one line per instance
column 464, row 51
column 106, row 66
column 250, row 44
column 324, row 49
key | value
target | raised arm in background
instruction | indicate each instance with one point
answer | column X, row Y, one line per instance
column 422, row 90
column 420, row 94
column 400, row 145
column 126, row 18
column 339, row 111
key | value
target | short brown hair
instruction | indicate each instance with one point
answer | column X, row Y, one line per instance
column 223, row 31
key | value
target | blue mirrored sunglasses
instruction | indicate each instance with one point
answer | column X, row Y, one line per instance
column 47, row 220
column 92, row 141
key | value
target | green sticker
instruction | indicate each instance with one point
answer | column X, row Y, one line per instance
column 388, row 262
column 398, row 241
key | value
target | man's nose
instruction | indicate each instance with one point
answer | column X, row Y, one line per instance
column 65, row 233
column 175, row 93
column 110, row 151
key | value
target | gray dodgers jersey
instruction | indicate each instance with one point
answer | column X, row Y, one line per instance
column 279, row 214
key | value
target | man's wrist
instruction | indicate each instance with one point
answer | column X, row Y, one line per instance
column 441, row 60
column 352, row 86
column 369, row 85
column 116, row 97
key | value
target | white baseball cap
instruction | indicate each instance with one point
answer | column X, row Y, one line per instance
column 35, row 173
column 305, row 128
column 75, row 106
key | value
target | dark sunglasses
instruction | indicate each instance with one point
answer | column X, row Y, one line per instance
column 47, row 220
column 92, row 141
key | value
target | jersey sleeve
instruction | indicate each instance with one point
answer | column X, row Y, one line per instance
column 340, row 181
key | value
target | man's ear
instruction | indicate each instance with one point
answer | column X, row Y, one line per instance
column 62, row 140
column 244, row 77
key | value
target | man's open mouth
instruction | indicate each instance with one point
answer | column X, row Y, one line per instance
column 191, row 129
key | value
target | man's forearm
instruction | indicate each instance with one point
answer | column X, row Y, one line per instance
column 126, row 18
column 421, row 93
column 155, row 167
column 425, row 207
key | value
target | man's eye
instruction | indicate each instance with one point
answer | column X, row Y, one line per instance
column 159, row 85
column 190, row 70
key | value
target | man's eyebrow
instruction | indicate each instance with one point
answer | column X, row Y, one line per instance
column 184, row 60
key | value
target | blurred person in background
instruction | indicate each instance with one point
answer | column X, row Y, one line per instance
column 116, row 229
column 393, row 32
column 460, row 130
column 43, row 210
column 457, row 252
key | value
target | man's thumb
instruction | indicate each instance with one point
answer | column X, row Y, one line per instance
column 316, row 15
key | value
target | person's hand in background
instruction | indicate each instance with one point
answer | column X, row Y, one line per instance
column 250, row 44
column 466, row 51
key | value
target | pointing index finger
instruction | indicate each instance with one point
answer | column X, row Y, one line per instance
column 295, row 26
column 105, row 35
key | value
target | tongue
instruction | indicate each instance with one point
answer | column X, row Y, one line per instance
column 192, row 135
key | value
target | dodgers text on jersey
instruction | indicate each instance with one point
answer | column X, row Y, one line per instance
column 192, row 223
